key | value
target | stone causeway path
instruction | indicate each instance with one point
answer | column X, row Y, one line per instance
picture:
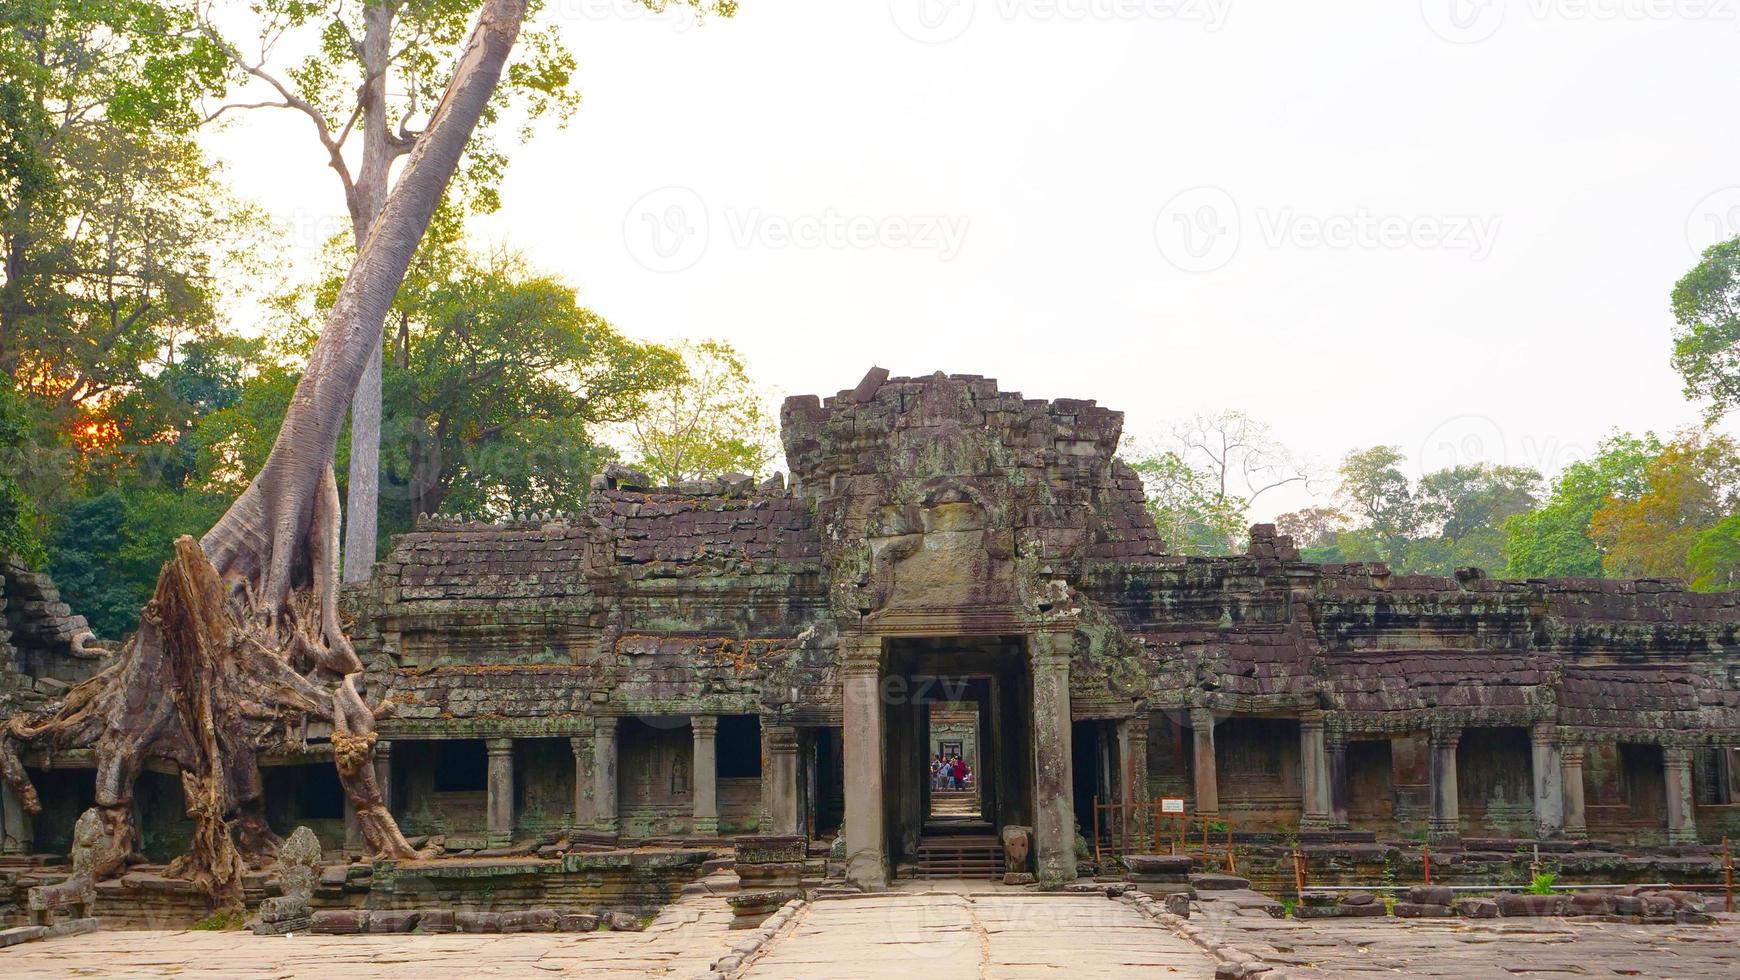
column 928, row 931
column 938, row 935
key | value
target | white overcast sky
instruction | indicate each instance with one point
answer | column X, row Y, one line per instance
column 1450, row 225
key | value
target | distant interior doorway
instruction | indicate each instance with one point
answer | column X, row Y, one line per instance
column 955, row 776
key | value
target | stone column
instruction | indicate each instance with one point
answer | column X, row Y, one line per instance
column 782, row 778
column 706, row 732
column 1682, row 825
column 353, row 837
column 1053, row 778
column 583, row 812
column 861, row 737
column 15, row 829
column 1314, row 772
column 604, row 775
column 1446, row 822
column 1207, row 783
column 501, row 791
column 1335, row 750
column 1571, row 772
column 1549, row 782
column 384, row 772
column 1133, row 756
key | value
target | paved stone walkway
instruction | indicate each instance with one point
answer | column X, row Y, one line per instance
column 1468, row 949
column 679, row 944
column 939, row 935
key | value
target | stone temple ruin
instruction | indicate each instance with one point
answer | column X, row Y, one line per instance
column 725, row 658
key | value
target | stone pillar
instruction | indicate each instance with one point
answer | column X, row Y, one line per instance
column 1053, row 778
column 353, row 837
column 1314, row 772
column 1446, row 822
column 782, row 778
column 15, row 829
column 1335, row 751
column 1133, row 756
column 861, row 737
column 1571, row 772
column 1207, row 783
column 1549, row 782
column 706, row 732
column 501, row 791
column 1682, row 825
column 581, row 748
column 384, row 772
column 604, row 775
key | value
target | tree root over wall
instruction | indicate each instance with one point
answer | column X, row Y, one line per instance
column 209, row 682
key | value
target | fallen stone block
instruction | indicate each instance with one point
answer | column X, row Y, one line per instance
column 1319, row 911
column 1359, row 898
column 436, row 920
column 1476, row 908
column 625, row 922
column 393, row 920
column 1178, row 904
column 529, row 920
column 1431, row 895
column 21, row 934
column 340, row 922
column 1689, row 917
column 576, row 922
column 1421, row 910
column 1590, row 903
column 1158, row 864
column 1627, row 905
column 477, row 921
column 1527, row 905
column 1219, row 882
column 285, row 927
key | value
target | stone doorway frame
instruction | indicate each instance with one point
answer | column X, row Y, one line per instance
column 864, row 659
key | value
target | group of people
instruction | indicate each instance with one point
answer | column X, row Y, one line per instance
column 950, row 773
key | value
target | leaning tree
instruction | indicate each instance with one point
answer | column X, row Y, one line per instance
column 241, row 643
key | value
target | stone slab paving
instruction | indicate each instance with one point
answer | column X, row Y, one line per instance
column 680, row 943
column 944, row 934
column 1468, row 949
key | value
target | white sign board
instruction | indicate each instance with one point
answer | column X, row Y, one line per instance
column 1172, row 804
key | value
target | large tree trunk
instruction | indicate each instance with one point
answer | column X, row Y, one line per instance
column 363, row 491
column 242, row 640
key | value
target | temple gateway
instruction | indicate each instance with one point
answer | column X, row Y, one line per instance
column 955, row 564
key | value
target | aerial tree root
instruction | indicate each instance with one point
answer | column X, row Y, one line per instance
column 209, row 682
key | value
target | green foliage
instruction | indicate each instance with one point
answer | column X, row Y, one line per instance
column 1193, row 518
column 1706, row 305
column 223, row 920
column 1688, row 490
column 1453, row 518
column 18, row 516
column 712, row 420
column 1554, row 540
column 1542, row 884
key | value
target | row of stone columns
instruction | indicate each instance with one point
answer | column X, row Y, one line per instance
column 1557, row 780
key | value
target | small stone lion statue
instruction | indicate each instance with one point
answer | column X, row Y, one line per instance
column 1017, row 850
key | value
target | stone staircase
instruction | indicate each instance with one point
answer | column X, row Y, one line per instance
column 958, row 856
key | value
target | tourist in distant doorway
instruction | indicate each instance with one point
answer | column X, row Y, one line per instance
column 959, row 772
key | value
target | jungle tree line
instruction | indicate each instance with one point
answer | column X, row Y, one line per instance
column 134, row 408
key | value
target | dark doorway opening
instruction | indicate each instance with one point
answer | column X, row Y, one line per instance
column 975, row 691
